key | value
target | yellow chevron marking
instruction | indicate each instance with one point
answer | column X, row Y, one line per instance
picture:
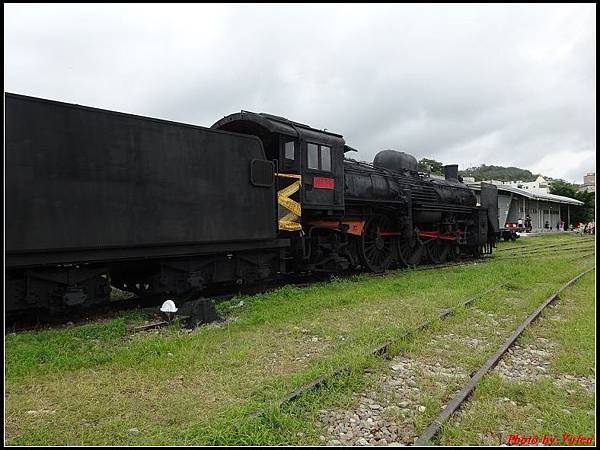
column 289, row 222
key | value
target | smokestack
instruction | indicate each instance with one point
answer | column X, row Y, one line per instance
column 451, row 172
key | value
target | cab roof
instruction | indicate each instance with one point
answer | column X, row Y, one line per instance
column 279, row 125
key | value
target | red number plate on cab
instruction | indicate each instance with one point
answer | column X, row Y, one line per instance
column 323, row 183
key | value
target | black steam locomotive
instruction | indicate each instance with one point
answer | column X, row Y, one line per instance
column 96, row 198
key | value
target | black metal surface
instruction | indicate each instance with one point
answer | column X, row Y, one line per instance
column 410, row 253
column 438, row 251
column 451, row 172
column 489, row 200
column 368, row 182
column 364, row 182
column 16, row 260
column 391, row 186
column 454, row 193
column 376, row 251
column 395, row 161
column 274, row 132
column 81, row 178
column 198, row 311
column 461, row 396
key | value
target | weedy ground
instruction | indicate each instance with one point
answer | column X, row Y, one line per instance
column 550, row 394
column 100, row 384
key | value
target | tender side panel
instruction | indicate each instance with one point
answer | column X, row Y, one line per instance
column 82, row 178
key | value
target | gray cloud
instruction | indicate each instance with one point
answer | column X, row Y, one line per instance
column 509, row 85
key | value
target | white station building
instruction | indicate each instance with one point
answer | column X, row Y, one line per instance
column 516, row 203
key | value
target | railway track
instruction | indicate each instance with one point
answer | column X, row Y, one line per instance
column 546, row 252
column 434, row 364
column 527, row 251
column 547, row 255
column 382, row 349
column 537, row 246
column 456, row 402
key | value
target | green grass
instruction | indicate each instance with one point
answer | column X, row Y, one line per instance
column 199, row 388
column 65, row 349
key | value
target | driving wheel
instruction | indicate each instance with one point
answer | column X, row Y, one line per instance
column 377, row 250
column 437, row 251
column 409, row 255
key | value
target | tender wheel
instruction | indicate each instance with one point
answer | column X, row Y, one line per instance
column 437, row 251
column 377, row 251
column 409, row 255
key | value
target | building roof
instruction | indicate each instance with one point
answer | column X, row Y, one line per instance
column 531, row 194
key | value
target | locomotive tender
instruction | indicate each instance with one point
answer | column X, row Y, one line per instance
column 96, row 198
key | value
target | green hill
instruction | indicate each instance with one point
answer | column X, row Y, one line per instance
column 485, row 172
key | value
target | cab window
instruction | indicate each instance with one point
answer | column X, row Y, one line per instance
column 325, row 158
column 289, row 151
column 313, row 156
column 319, row 157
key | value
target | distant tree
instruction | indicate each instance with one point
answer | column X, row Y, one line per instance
column 583, row 213
column 564, row 188
column 484, row 172
column 430, row 166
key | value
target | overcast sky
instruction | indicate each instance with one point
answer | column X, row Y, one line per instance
column 508, row 85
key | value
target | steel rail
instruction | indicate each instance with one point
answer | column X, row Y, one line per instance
column 533, row 249
column 557, row 252
column 462, row 395
column 541, row 249
column 379, row 350
column 538, row 245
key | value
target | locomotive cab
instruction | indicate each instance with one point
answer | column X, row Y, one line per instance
column 316, row 156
